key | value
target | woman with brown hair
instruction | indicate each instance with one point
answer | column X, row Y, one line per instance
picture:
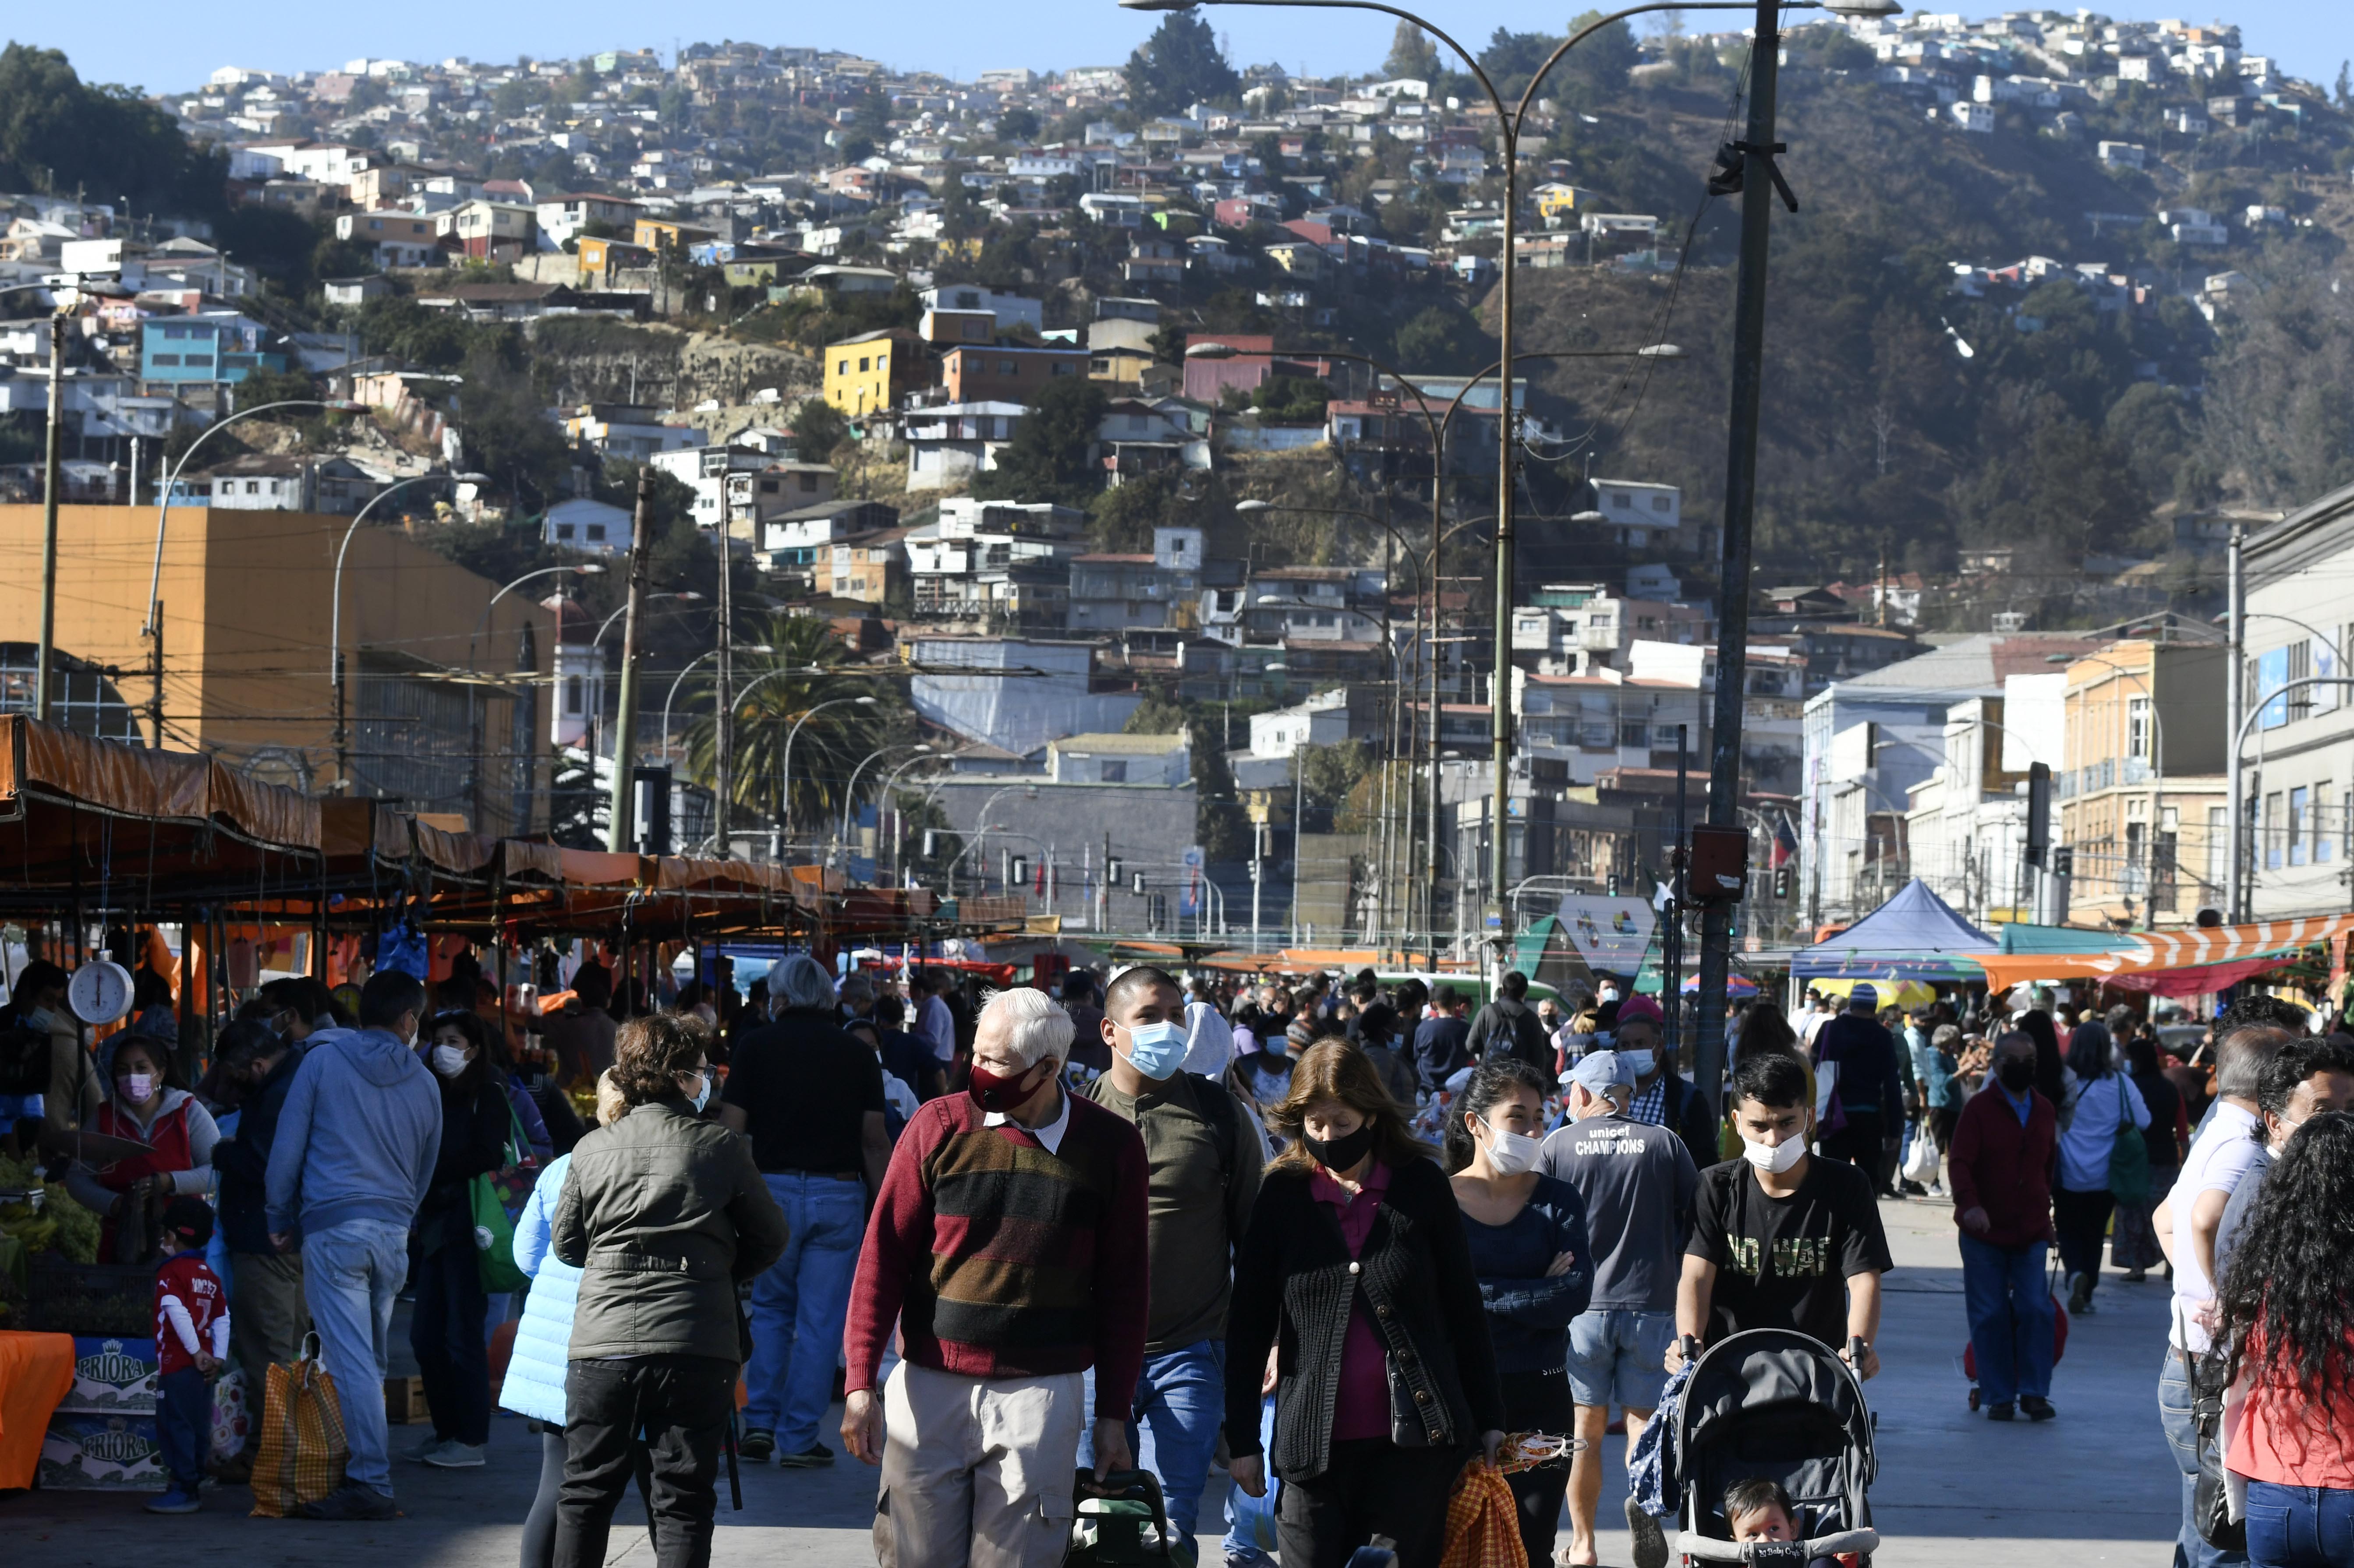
column 1357, row 1275
column 665, row 1213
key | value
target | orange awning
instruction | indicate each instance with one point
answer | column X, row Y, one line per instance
column 2164, row 951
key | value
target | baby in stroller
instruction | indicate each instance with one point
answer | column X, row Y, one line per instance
column 1772, row 1448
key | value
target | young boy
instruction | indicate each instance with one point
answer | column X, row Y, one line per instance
column 191, row 1340
column 1759, row 1509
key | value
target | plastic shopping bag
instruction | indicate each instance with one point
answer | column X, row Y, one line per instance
column 303, row 1450
column 231, row 1421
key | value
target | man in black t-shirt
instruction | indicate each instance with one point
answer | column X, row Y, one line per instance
column 811, row 1097
column 1781, row 1239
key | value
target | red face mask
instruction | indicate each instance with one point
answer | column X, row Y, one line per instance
column 1000, row 1092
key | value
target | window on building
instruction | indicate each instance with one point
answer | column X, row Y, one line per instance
column 161, row 360
column 2326, row 824
column 1633, row 733
column 574, row 699
column 1659, row 504
column 862, row 363
column 564, row 531
column 1622, row 502
column 2268, row 830
column 2137, row 727
column 2219, row 844
column 1007, row 367
column 1113, row 772
column 843, row 368
column 2300, row 667
column 2300, row 826
column 597, row 532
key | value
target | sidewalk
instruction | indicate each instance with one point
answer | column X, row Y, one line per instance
column 1956, row 1491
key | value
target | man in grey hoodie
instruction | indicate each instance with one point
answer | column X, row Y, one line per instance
column 352, row 1159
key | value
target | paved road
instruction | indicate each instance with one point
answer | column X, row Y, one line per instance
column 1955, row 1491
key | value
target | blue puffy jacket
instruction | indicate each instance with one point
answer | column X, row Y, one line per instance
column 534, row 1384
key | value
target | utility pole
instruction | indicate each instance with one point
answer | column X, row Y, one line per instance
column 723, row 716
column 2235, row 697
column 1759, row 183
column 45, row 670
column 621, row 811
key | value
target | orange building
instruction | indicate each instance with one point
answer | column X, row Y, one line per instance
column 246, row 672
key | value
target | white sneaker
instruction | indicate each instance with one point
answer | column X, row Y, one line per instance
column 456, row 1456
column 417, row 1450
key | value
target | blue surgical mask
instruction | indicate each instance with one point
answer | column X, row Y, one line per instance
column 1640, row 1063
column 1155, row 1049
column 703, row 1095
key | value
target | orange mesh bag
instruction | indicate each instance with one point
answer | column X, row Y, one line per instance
column 1483, row 1527
column 303, row 1450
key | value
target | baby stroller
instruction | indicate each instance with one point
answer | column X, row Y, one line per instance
column 1778, row 1404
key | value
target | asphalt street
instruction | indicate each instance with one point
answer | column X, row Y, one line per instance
column 2096, row 1486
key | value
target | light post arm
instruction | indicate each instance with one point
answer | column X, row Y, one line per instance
column 335, row 629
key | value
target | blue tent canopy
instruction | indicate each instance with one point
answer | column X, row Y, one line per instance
column 1913, row 936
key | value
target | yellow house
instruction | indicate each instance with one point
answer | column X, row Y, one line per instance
column 661, row 234
column 867, row 374
column 1123, row 366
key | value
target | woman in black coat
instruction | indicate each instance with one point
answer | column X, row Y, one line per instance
column 448, row 1328
column 1357, row 1274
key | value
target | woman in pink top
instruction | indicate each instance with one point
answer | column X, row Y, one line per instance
column 1357, row 1274
column 2286, row 1312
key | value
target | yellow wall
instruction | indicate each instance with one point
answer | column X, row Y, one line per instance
column 247, row 605
column 858, row 374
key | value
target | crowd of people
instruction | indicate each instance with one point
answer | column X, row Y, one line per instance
column 1341, row 1238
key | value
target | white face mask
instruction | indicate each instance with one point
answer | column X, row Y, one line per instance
column 40, row 1020
column 1775, row 1157
column 139, row 1088
column 448, row 1060
column 1511, row 1153
column 1640, row 1063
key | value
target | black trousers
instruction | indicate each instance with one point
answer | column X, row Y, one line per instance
column 1372, row 1486
column 1858, row 1143
column 2081, row 1220
column 1539, row 1401
column 681, row 1405
column 445, row 1332
column 540, row 1524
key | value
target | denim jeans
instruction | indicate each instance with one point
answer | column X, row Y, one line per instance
column 2011, row 1321
column 800, row 1305
column 2174, row 1417
column 350, row 1274
column 2300, row 1527
column 1181, row 1400
column 1246, row 1517
column 184, row 1426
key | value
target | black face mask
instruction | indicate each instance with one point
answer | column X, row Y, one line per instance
column 1341, row 1153
column 2016, row 1073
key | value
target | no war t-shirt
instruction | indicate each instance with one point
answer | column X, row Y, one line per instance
column 1783, row 1263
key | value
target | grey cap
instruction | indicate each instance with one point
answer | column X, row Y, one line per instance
column 1600, row 1072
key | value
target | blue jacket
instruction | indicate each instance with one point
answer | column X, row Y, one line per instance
column 534, row 1385
column 359, row 1134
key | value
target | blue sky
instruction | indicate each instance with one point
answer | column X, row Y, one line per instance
column 162, row 48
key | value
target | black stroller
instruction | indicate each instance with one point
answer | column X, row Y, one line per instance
column 1775, row 1405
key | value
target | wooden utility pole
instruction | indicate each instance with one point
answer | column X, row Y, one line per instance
column 620, row 831
column 45, row 672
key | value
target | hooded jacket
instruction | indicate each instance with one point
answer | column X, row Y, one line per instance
column 242, row 1160
column 358, row 1135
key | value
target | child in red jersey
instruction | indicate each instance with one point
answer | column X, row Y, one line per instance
column 191, row 1340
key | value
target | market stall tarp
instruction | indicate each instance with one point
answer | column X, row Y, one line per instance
column 2156, row 952
column 47, row 762
column 1915, row 936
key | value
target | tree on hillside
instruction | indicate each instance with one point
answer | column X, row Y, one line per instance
column 59, row 135
column 1052, row 454
column 1180, row 65
column 1594, row 74
column 1411, row 54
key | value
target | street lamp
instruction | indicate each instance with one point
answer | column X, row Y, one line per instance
column 850, row 792
column 154, row 627
column 890, row 782
column 760, row 648
column 585, row 570
column 684, row 595
column 784, row 783
column 335, row 629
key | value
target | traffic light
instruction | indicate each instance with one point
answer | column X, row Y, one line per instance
column 931, row 837
column 1020, row 870
column 1613, row 884
column 1135, row 884
column 1782, row 882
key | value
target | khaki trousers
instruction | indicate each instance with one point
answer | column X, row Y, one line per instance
column 977, row 1471
column 266, row 1317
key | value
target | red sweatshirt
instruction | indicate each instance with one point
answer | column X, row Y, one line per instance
column 2003, row 1167
column 1000, row 1258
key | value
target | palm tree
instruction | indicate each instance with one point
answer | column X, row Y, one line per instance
column 808, row 669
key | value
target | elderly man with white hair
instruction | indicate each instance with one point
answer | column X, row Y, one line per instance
column 811, row 1098
column 1008, row 1244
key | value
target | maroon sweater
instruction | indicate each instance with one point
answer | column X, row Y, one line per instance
column 1001, row 1260
column 2004, row 1168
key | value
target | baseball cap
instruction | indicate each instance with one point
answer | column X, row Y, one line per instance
column 1600, row 1072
